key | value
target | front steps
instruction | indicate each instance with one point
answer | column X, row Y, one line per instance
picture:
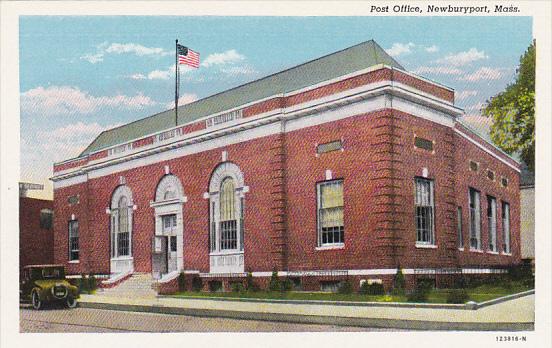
column 137, row 285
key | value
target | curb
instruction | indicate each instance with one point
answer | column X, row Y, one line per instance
column 467, row 306
column 505, row 298
column 317, row 319
column 324, row 302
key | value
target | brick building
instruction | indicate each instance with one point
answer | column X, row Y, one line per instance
column 36, row 235
column 346, row 166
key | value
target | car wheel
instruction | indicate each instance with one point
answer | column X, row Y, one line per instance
column 71, row 302
column 36, row 301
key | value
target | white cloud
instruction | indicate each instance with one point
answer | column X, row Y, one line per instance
column 465, row 94
column 239, row 70
column 137, row 77
column 136, row 49
column 227, row 57
column 159, row 75
column 432, row 49
column 484, row 73
column 474, row 108
column 39, row 150
column 398, row 49
column 69, row 100
column 437, row 70
column 480, row 123
column 463, row 58
column 119, row 48
column 182, row 100
column 93, row 58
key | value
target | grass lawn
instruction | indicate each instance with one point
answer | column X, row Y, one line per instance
column 477, row 294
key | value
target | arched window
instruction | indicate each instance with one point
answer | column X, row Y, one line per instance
column 226, row 191
column 228, row 219
column 121, row 222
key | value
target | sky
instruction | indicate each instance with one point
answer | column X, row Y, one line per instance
column 80, row 75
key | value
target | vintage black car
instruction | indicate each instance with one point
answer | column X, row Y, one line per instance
column 42, row 284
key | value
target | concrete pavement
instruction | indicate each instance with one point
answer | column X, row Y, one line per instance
column 512, row 315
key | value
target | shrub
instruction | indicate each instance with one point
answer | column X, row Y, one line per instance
column 529, row 283
column 197, row 284
column 92, row 283
column 181, row 282
column 215, row 286
column 371, row 289
column 520, row 271
column 237, row 287
column 457, row 296
column 274, row 284
column 421, row 292
column 398, row 282
column 286, row 285
column 250, row 284
column 345, row 287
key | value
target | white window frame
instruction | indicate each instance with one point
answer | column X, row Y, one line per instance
column 73, row 235
column 491, row 223
column 506, row 228
column 121, row 191
column 319, row 210
column 475, row 218
column 431, row 233
column 222, row 172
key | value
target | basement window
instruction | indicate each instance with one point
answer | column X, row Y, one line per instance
column 329, row 147
column 423, row 144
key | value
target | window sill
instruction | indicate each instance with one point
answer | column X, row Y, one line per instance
column 492, row 252
column 226, row 252
column 330, row 247
column 426, row 246
column 74, row 261
column 121, row 258
column 506, row 254
column 476, row 251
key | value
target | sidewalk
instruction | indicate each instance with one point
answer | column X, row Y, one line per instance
column 511, row 315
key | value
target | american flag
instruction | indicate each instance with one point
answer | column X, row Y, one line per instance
column 187, row 56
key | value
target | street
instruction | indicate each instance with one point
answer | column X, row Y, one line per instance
column 99, row 320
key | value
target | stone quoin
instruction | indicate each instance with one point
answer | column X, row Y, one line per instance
column 346, row 167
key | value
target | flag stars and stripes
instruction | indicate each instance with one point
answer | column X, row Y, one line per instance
column 187, row 57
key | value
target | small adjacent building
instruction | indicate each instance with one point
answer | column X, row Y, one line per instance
column 36, row 232
column 344, row 167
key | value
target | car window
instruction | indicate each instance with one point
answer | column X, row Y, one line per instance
column 52, row 273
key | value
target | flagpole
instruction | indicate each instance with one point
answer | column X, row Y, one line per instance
column 176, row 85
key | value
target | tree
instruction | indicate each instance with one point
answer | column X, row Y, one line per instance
column 513, row 112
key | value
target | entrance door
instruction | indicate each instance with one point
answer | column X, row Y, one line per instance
column 169, row 230
column 159, row 256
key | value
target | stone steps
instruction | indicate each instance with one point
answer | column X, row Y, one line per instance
column 137, row 285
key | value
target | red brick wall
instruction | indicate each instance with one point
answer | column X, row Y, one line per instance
column 378, row 166
column 35, row 243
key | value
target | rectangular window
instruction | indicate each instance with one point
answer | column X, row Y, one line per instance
column 506, row 227
column 491, row 218
column 504, row 182
column 169, row 222
column 424, row 144
column 46, row 217
column 329, row 147
column 475, row 220
column 424, row 211
column 229, row 234
column 330, row 213
column 490, row 175
column 474, row 166
column 73, row 240
column 459, row 231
